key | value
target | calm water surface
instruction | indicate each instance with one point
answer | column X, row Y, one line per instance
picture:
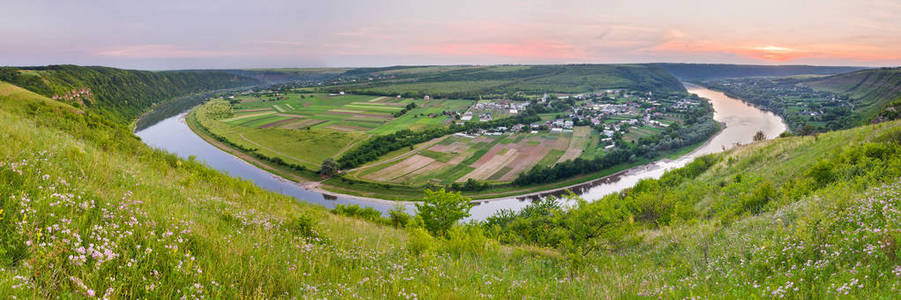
column 742, row 122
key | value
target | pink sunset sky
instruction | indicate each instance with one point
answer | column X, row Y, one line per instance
column 244, row 34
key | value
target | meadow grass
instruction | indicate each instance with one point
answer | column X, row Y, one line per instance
column 303, row 147
column 88, row 211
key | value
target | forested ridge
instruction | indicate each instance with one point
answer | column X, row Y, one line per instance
column 471, row 82
column 118, row 95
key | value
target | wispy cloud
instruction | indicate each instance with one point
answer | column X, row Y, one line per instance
column 163, row 51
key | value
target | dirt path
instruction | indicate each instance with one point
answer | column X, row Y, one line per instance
column 351, row 145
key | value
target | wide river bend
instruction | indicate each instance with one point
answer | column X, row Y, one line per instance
column 742, row 122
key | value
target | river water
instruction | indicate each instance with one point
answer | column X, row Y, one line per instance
column 742, row 122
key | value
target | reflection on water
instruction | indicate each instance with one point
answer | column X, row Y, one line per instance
column 742, row 122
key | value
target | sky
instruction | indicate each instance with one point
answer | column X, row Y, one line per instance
column 186, row 34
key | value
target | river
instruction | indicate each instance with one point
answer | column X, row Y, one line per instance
column 742, row 122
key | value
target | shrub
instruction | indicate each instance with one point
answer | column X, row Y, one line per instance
column 420, row 242
column 821, row 172
column 440, row 210
column 302, row 225
column 398, row 216
column 762, row 195
column 365, row 213
column 468, row 240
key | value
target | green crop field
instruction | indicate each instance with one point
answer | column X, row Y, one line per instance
column 306, row 128
column 302, row 147
column 350, row 113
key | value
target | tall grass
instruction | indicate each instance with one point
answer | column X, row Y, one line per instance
column 89, row 211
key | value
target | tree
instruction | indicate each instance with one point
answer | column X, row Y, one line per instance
column 440, row 209
column 759, row 136
column 329, row 167
column 807, row 129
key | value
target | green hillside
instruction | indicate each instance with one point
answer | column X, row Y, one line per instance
column 874, row 89
column 693, row 72
column 87, row 210
column 117, row 94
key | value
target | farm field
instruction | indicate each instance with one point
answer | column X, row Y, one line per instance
column 305, row 129
column 348, row 113
column 457, row 158
column 306, row 148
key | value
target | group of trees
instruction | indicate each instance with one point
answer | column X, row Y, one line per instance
column 407, row 108
column 471, row 185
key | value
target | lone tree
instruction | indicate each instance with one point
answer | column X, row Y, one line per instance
column 807, row 129
column 329, row 167
column 759, row 136
column 440, row 210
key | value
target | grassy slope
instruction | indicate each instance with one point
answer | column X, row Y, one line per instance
column 876, row 88
column 209, row 234
column 221, row 237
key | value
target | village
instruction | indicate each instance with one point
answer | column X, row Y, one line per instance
column 609, row 112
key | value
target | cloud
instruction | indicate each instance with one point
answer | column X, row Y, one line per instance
column 163, row 51
column 686, row 46
column 529, row 49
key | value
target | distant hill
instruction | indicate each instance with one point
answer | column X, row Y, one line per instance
column 117, row 94
column 689, row 72
column 280, row 75
column 479, row 81
column 874, row 88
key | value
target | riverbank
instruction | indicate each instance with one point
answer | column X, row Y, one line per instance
column 380, row 192
column 174, row 135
